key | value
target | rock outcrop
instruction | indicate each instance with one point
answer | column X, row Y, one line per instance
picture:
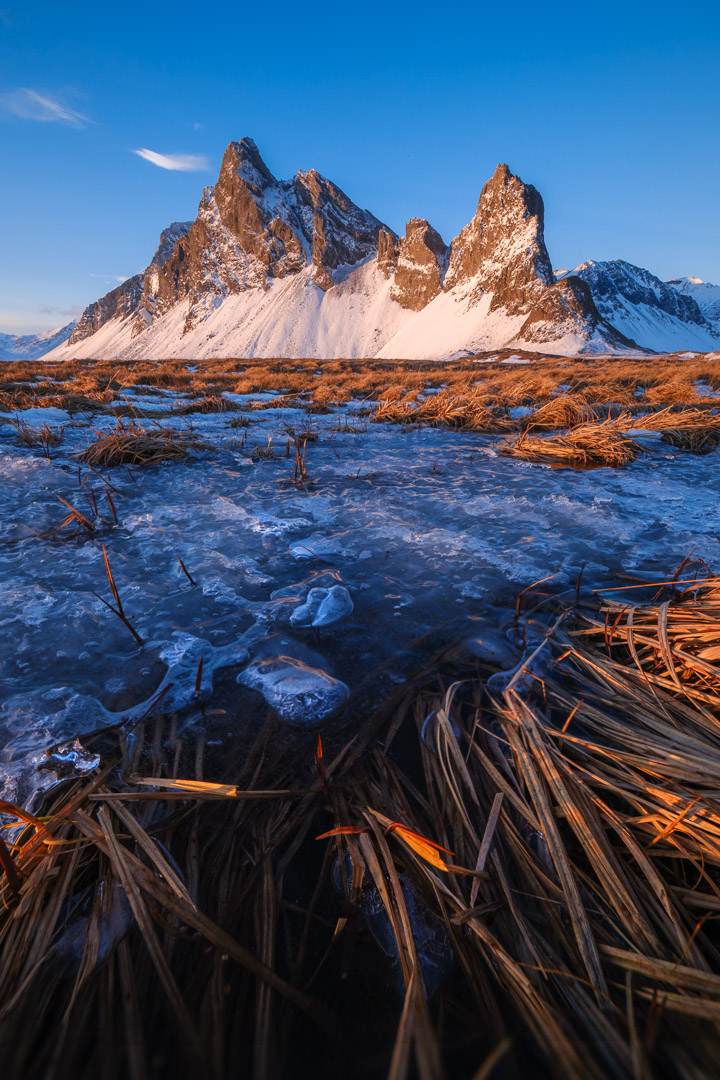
column 387, row 258
column 567, row 310
column 502, row 250
column 421, row 265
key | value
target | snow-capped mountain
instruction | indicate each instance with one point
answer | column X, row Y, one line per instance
column 294, row 268
column 31, row 346
column 656, row 315
column 705, row 295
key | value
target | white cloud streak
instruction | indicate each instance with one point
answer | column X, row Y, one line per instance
column 174, row 162
column 48, row 109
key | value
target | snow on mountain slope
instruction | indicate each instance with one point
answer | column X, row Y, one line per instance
column 292, row 316
column 642, row 307
column 357, row 318
column 31, row 346
column 705, row 295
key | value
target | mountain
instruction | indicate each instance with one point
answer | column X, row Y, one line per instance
column 135, row 298
column 31, row 346
column 705, row 295
column 294, row 268
column 645, row 309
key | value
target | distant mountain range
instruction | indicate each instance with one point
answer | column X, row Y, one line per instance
column 293, row 268
column 31, row 346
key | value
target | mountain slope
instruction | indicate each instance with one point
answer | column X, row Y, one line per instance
column 645, row 309
column 705, row 295
column 32, row 346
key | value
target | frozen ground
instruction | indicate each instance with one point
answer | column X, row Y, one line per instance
column 408, row 539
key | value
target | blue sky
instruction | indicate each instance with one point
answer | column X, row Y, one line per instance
column 610, row 110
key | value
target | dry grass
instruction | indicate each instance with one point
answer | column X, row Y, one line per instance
column 671, row 418
column 92, row 384
column 564, row 411
column 213, row 403
column 133, row 445
column 585, row 446
column 698, row 440
column 558, row 830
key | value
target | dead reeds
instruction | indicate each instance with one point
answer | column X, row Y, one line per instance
column 563, row 411
column 134, row 445
column 698, row 440
column 520, row 869
column 585, row 446
column 44, row 436
column 213, row 403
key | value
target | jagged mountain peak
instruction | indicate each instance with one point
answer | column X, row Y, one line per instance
column 502, row 250
column 245, row 157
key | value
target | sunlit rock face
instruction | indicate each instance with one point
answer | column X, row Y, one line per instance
column 421, row 265
column 502, row 250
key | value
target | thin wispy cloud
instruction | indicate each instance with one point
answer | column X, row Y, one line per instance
column 174, row 162
column 111, row 279
column 50, row 309
column 47, row 108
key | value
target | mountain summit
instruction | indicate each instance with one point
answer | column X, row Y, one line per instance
column 294, row 268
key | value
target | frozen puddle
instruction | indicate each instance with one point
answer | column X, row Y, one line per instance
column 305, row 597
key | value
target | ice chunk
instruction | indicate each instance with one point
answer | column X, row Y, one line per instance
column 323, row 607
column 294, row 681
column 336, row 605
column 306, row 614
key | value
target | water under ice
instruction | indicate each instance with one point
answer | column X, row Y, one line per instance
column 305, row 595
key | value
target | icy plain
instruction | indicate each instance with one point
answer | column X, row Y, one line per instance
column 307, row 596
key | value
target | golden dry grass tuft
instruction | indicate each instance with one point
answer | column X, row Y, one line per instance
column 588, row 445
column 133, row 445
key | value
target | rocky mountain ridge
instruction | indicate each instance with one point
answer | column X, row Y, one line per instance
column 293, row 267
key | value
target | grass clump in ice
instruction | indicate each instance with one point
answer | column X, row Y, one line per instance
column 212, row 403
column 585, row 446
column 133, row 445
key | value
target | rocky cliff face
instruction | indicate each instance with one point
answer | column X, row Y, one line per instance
column 387, row 257
column 567, row 309
column 135, row 298
column 420, row 267
column 502, row 250
column 119, row 303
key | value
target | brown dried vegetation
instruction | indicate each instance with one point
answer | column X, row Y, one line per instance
column 562, row 827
